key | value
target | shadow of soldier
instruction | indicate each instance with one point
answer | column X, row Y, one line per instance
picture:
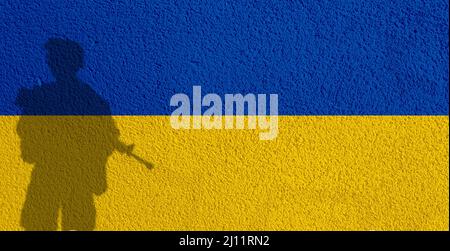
column 69, row 151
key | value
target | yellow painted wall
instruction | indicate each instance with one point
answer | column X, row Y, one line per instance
column 321, row 173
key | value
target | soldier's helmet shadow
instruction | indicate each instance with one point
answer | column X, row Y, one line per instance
column 68, row 147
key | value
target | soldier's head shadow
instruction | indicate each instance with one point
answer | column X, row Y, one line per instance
column 67, row 132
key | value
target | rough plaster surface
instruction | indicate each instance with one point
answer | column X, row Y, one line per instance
column 346, row 57
column 322, row 57
column 321, row 173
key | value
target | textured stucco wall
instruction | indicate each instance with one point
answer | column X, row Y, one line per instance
column 346, row 57
column 333, row 57
column 321, row 173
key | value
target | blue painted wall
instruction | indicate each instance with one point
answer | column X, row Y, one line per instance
column 321, row 57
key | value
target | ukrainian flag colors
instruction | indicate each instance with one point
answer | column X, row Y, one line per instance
column 363, row 140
